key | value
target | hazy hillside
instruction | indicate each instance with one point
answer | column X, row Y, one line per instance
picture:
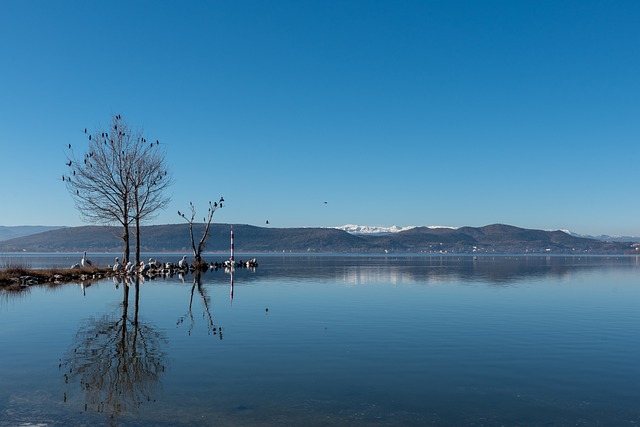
column 495, row 238
column 7, row 233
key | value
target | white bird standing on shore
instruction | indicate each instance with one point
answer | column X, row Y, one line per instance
column 142, row 268
column 85, row 262
column 183, row 262
column 117, row 266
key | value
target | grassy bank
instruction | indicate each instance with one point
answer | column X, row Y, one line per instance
column 15, row 276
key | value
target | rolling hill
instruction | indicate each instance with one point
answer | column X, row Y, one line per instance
column 7, row 233
column 490, row 239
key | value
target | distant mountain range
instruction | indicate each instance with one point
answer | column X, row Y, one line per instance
column 607, row 238
column 491, row 239
column 368, row 229
column 7, row 233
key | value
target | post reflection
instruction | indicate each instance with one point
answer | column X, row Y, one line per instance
column 231, row 287
column 115, row 362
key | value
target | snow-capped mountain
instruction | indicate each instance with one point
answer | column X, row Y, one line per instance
column 376, row 229
column 605, row 237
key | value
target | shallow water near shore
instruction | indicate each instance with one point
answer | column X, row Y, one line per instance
column 330, row 340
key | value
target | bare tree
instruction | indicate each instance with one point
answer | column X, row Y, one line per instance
column 120, row 178
column 197, row 251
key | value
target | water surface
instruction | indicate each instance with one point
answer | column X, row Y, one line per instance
column 331, row 340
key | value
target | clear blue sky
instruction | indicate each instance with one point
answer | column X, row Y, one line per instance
column 393, row 112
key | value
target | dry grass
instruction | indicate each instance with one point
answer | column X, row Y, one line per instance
column 10, row 272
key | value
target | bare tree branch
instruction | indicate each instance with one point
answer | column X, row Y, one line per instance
column 197, row 252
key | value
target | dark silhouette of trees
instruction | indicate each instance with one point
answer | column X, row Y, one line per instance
column 119, row 179
column 197, row 250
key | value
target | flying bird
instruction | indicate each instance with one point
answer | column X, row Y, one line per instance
column 69, row 145
column 267, row 221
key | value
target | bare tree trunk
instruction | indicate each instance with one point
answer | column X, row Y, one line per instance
column 125, row 234
column 137, row 241
column 137, row 219
column 125, row 238
column 196, row 255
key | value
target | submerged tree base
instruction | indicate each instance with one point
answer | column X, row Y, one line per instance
column 200, row 265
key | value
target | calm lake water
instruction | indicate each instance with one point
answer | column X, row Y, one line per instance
column 330, row 340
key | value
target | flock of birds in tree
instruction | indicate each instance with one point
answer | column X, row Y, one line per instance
column 106, row 139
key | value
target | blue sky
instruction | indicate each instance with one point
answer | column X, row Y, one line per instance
column 393, row 112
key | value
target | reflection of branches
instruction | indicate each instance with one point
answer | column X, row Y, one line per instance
column 189, row 313
column 117, row 361
column 211, row 328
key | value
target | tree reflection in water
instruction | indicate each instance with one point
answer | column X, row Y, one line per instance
column 116, row 360
column 206, row 301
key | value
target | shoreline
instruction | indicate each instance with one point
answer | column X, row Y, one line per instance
column 18, row 278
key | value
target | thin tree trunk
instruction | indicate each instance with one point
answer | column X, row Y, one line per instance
column 127, row 251
column 125, row 235
column 137, row 217
column 193, row 242
column 137, row 241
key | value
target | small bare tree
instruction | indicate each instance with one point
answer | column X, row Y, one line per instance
column 197, row 251
column 118, row 179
